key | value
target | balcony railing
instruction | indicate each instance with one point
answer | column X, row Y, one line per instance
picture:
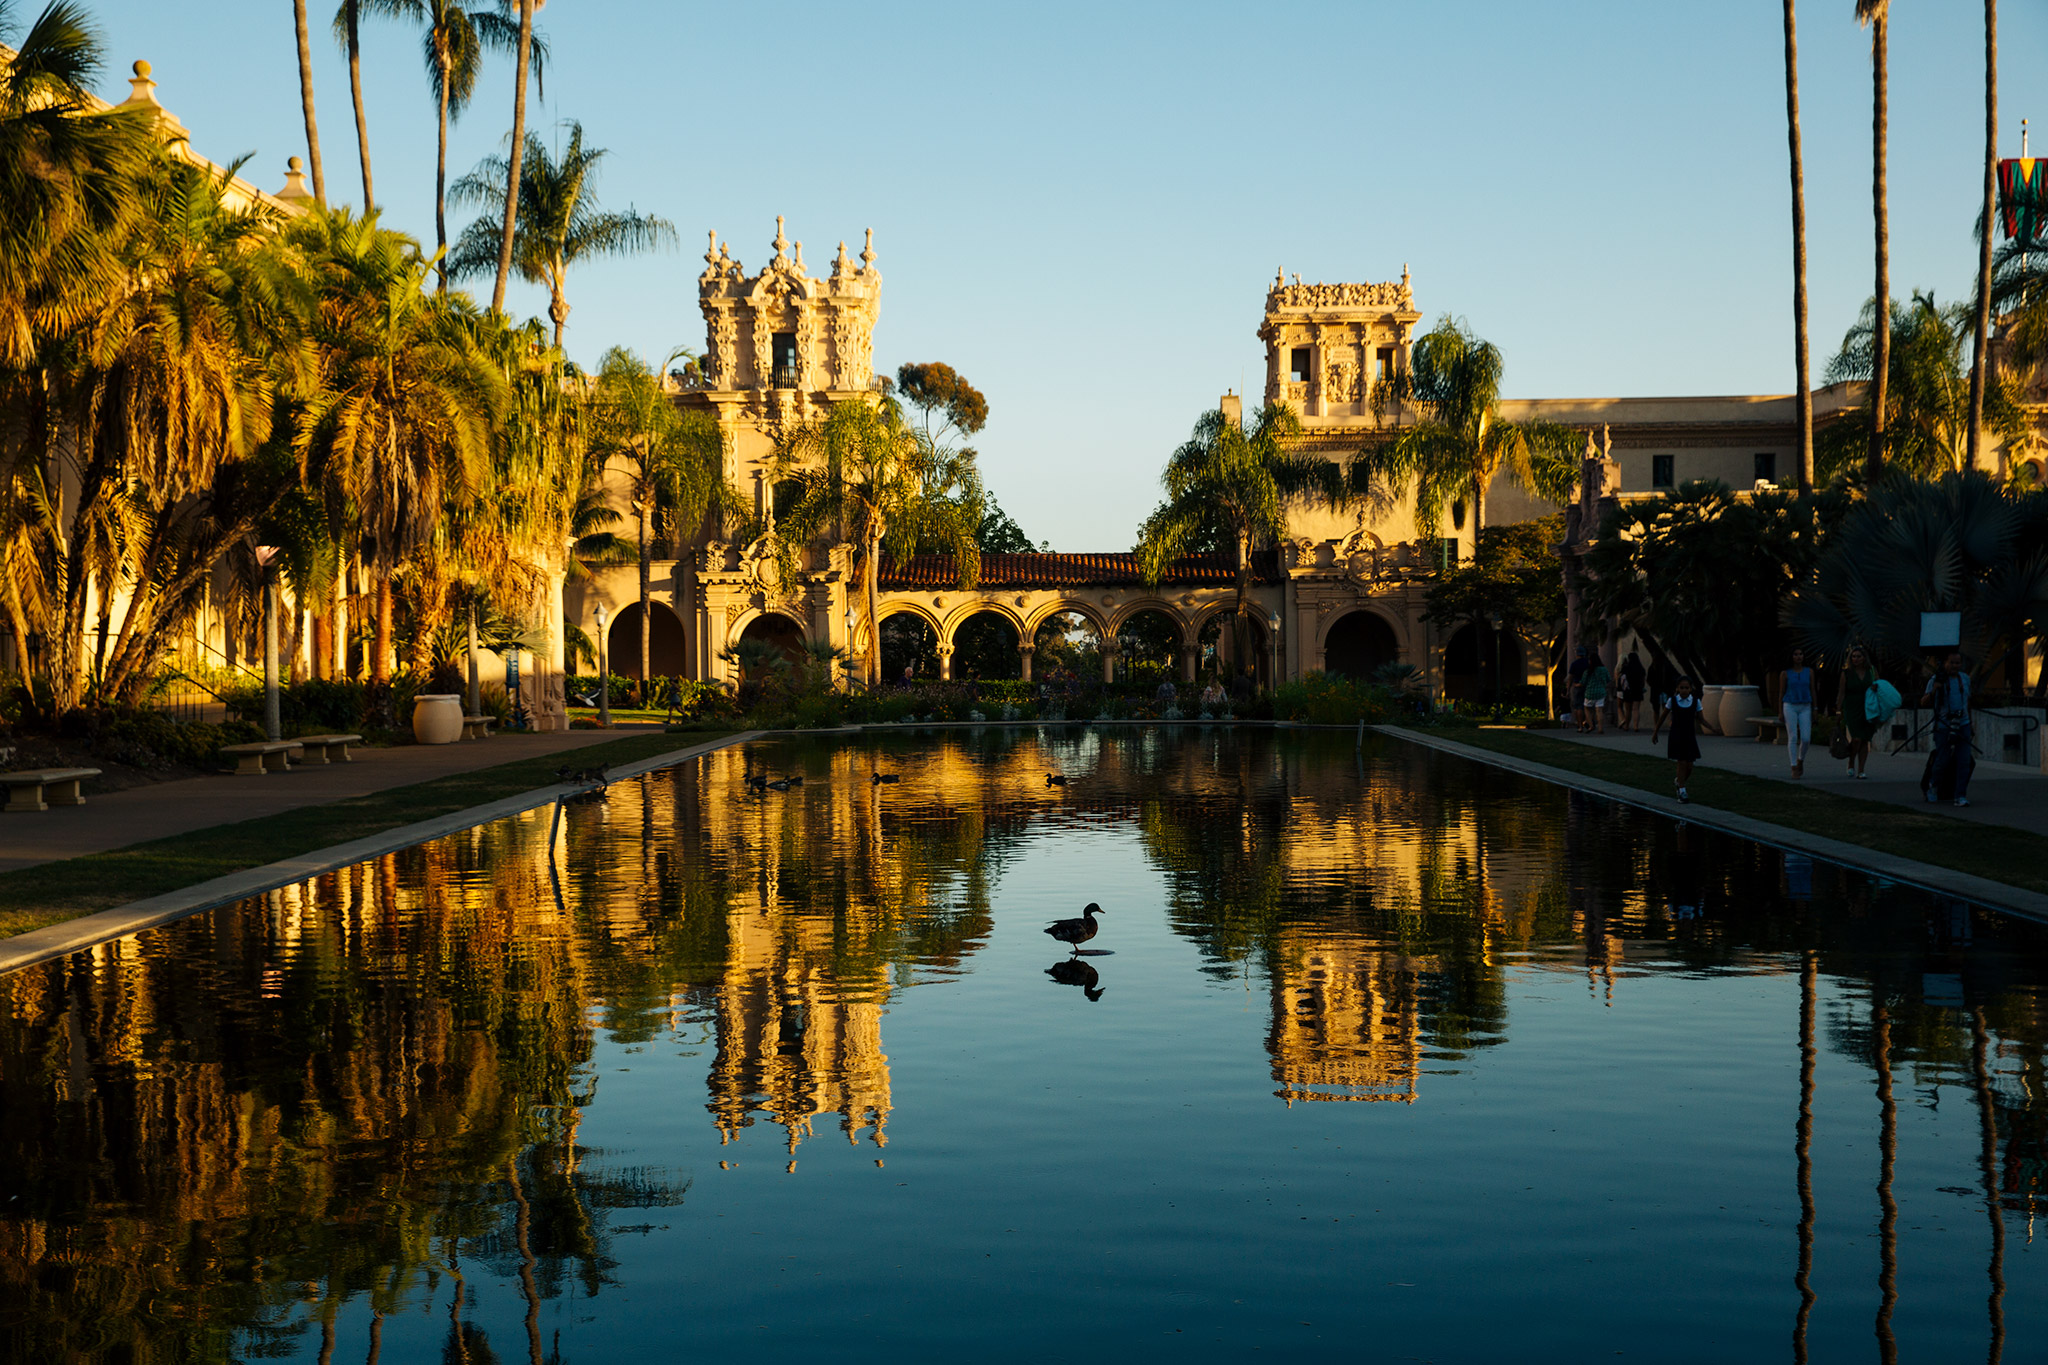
column 783, row 377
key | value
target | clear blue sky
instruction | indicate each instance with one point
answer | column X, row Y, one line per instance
column 1080, row 205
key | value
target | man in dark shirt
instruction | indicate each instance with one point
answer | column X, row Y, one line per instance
column 1577, row 678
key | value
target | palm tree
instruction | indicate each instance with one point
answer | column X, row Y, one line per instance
column 306, row 101
column 1876, row 14
column 404, row 400
column 863, row 475
column 1227, row 489
column 348, row 31
column 514, row 177
column 1980, row 352
column 1927, row 391
column 1802, row 394
column 64, row 201
column 673, row 462
column 1461, row 444
column 559, row 222
column 452, row 41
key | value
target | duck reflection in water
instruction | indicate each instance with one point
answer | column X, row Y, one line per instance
column 1073, row 971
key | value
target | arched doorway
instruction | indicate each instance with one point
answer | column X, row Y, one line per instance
column 1147, row 648
column 1360, row 644
column 908, row 641
column 778, row 630
column 1217, row 648
column 1066, row 646
column 667, row 648
column 985, row 647
column 1481, row 663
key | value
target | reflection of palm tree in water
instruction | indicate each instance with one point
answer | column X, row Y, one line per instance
column 1888, row 1207
column 1987, row 1117
column 1803, row 1147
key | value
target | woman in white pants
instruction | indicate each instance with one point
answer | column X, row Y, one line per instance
column 1795, row 693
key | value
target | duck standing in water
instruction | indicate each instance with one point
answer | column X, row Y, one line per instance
column 1077, row 931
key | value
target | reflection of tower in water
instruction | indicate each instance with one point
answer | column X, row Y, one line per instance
column 797, row 1038
column 1345, row 1019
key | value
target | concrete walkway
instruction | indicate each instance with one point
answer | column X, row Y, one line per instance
column 163, row 809
column 2000, row 793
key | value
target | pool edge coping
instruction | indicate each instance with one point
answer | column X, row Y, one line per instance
column 102, row 926
column 1940, row 881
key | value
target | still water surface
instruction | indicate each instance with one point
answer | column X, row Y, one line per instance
column 1387, row 1054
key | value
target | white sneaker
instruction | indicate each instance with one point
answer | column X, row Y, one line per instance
column 1962, row 800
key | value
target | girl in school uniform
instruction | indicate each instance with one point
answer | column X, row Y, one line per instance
column 1686, row 723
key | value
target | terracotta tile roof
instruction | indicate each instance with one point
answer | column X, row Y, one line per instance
column 1071, row 571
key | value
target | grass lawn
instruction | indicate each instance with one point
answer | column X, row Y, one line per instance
column 621, row 715
column 35, row 896
column 2013, row 856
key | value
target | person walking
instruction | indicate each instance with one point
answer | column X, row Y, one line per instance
column 1597, row 682
column 1630, row 695
column 1685, row 718
column 1795, row 704
column 1851, row 703
column 1576, row 676
column 1948, row 692
column 1659, row 682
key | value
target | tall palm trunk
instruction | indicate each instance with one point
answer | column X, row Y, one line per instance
column 518, row 148
column 306, row 100
column 441, row 165
column 380, row 662
column 355, row 89
column 1979, row 357
column 1241, row 632
column 870, row 591
column 646, row 579
column 1802, row 395
column 1881, row 357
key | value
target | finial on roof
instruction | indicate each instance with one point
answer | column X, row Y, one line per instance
column 294, row 190
column 781, row 243
column 867, row 255
column 1405, row 286
column 1279, row 276
column 798, row 260
column 711, row 249
column 140, row 85
column 842, row 264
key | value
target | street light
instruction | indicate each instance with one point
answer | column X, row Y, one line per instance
column 1279, row 665
column 852, row 617
column 273, row 724
column 604, row 673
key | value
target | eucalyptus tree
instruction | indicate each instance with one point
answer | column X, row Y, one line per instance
column 559, row 222
column 1227, row 489
column 671, row 461
column 863, row 474
column 306, row 101
column 348, row 31
column 453, row 37
column 403, row 402
column 1876, row 14
column 1461, row 442
column 509, row 197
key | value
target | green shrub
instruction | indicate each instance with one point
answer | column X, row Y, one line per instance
column 1324, row 699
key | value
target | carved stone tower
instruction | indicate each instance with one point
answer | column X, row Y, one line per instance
column 781, row 344
column 1326, row 344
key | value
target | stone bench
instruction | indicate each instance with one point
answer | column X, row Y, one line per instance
column 478, row 727
column 1769, row 729
column 25, row 789
column 264, row 756
column 326, row 748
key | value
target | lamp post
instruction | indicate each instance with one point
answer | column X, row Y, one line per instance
column 851, row 617
column 604, row 673
column 273, row 725
column 1279, row 660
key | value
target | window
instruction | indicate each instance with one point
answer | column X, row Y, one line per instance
column 1301, row 364
column 1386, row 363
column 1447, row 553
column 1660, row 472
column 785, row 361
column 1767, row 465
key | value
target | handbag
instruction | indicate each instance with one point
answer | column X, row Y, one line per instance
column 1838, row 747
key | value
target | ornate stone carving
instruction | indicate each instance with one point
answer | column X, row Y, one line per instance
column 1299, row 295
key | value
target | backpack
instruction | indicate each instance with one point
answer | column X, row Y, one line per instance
column 1880, row 701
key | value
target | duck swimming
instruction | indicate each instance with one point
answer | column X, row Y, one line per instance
column 880, row 778
column 1055, row 779
column 1077, row 931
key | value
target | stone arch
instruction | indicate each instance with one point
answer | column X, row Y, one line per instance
column 668, row 652
column 984, row 638
column 1218, row 618
column 887, row 607
column 915, row 646
column 1150, row 654
column 1358, row 641
column 757, row 624
column 1085, row 610
column 1085, row 660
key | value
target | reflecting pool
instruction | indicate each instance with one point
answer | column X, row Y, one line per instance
column 1377, row 1052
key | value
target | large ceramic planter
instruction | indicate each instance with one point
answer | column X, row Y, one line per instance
column 1710, row 704
column 437, row 718
column 1738, row 704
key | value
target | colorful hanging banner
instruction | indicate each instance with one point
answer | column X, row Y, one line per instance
column 2023, row 196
